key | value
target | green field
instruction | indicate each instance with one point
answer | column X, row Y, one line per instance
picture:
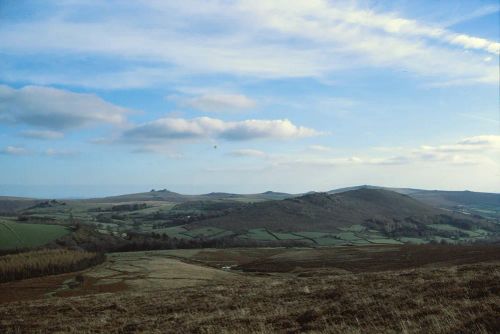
column 178, row 232
column 208, row 232
column 259, row 234
column 416, row 241
column 193, row 220
column 19, row 235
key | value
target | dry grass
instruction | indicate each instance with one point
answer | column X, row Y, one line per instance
column 456, row 299
column 45, row 262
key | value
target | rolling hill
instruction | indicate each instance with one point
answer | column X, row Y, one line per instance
column 364, row 215
column 437, row 197
column 325, row 212
column 173, row 197
column 456, row 198
column 14, row 204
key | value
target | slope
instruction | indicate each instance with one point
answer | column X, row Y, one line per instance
column 324, row 212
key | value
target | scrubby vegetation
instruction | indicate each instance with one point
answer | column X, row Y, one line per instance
column 457, row 299
column 45, row 262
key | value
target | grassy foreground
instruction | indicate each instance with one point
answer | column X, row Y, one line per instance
column 456, row 299
column 45, row 262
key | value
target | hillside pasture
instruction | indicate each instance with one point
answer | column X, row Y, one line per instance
column 20, row 235
column 258, row 234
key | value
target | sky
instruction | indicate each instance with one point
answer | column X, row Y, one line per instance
column 108, row 97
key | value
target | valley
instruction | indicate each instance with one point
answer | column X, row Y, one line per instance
column 163, row 220
column 349, row 261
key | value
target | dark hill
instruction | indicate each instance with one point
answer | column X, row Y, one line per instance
column 438, row 198
column 153, row 195
column 9, row 205
column 456, row 198
column 325, row 212
column 173, row 197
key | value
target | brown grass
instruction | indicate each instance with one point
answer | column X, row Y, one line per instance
column 45, row 262
column 456, row 299
column 373, row 258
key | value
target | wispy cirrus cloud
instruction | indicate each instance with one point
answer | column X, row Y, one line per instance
column 248, row 152
column 319, row 148
column 309, row 39
column 42, row 134
column 218, row 102
column 474, row 14
column 58, row 153
column 475, row 144
column 50, row 152
column 474, row 150
column 14, row 150
column 56, row 109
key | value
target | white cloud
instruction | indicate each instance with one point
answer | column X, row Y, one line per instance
column 56, row 109
column 482, row 142
column 470, row 42
column 476, row 144
column 165, row 129
column 219, row 102
column 248, row 152
column 327, row 15
column 50, row 152
column 477, row 150
column 339, row 161
column 56, row 153
column 42, row 134
column 319, row 148
column 309, row 39
column 14, row 150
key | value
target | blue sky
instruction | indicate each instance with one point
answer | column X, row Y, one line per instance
column 105, row 97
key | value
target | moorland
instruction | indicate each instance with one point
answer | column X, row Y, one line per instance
column 356, row 260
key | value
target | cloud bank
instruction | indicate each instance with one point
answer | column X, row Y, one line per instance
column 165, row 129
column 475, row 150
column 55, row 109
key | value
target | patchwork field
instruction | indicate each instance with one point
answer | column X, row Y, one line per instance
column 165, row 220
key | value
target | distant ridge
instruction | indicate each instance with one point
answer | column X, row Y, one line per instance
column 153, row 195
column 437, row 198
column 9, row 204
column 325, row 212
column 170, row 196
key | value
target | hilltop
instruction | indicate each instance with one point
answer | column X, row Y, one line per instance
column 468, row 202
column 165, row 195
column 443, row 198
column 325, row 212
